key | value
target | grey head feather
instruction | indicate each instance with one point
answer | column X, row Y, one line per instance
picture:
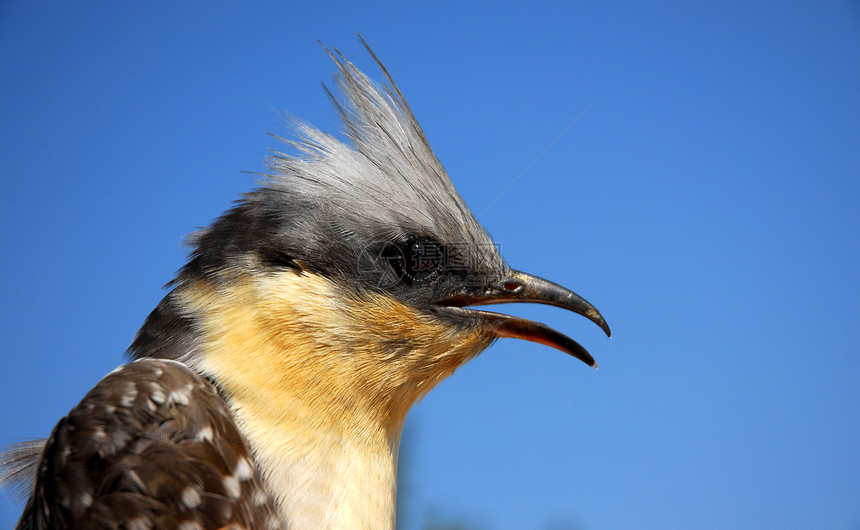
column 331, row 204
column 385, row 181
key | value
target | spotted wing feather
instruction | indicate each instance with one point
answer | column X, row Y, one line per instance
column 152, row 445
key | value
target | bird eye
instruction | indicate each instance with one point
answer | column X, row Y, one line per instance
column 416, row 260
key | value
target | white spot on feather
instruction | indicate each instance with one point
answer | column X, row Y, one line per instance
column 258, row 498
column 191, row 497
column 139, row 523
column 205, row 434
column 99, row 435
column 244, row 471
column 157, row 396
column 231, row 484
column 179, row 396
column 85, row 500
column 128, row 396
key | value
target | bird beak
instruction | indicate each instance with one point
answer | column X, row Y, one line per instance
column 521, row 287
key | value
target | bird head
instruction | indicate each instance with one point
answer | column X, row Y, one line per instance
column 352, row 273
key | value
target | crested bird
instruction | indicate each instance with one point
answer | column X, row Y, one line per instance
column 269, row 387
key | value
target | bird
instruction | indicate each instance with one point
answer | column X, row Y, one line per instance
column 270, row 385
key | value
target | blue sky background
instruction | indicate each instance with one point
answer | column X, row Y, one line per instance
column 693, row 170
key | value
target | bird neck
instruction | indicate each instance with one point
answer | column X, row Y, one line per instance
column 320, row 381
column 324, row 472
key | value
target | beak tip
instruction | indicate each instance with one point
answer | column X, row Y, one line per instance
column 598, row 319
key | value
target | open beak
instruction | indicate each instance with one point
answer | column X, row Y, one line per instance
column 521, row 287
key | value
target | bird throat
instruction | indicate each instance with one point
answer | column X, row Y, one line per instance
column 320, row 380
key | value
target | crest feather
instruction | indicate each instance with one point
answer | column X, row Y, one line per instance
column 385, row 177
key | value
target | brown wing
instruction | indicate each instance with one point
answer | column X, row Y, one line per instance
column 152, row 445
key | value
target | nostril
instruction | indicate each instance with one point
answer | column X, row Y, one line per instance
column 512, row 287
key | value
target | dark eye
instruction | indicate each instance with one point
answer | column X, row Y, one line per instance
column 416, row 260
